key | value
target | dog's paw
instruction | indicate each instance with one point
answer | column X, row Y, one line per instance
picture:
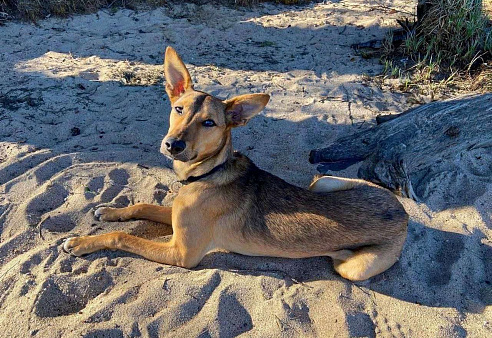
column 99, row 212
column 110, row 214
column 76, row 246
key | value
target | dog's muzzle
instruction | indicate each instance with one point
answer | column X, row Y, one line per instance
column 173, row 146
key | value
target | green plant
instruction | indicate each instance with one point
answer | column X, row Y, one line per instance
column 387, row 47
column 413, row 43
column 452, row 33
column 391, row 69
column 449, row 49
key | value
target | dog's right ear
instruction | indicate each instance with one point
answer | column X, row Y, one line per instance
column 178, row 79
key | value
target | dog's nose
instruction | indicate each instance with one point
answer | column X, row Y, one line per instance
column 175, row 146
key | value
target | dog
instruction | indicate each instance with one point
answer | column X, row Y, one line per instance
column 227, row 202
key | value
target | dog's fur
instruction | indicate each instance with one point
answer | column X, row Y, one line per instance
column 243, row 209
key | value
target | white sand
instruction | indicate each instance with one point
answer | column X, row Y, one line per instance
column 82, row 114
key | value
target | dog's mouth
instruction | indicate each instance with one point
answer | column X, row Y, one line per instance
column 182, row 157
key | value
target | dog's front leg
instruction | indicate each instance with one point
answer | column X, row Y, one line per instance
column 186, row 248
column 151, row 212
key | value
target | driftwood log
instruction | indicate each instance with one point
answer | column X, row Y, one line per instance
column 442, row 146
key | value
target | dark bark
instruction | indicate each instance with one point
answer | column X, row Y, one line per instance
column 441, row 144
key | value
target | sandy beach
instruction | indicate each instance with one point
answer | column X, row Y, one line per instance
column 82, row 114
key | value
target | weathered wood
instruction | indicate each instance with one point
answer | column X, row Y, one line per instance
column 442, row 145
column 385, row 118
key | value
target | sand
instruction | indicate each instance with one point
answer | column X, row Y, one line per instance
column 82, row 115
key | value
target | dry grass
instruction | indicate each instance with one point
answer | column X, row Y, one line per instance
column 454, row 33
column 449, row 51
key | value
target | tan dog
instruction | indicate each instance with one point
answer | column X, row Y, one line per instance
column 229, row 203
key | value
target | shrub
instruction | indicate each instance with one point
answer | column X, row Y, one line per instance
column 452, row 33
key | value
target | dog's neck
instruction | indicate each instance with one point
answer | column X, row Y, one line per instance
column 184, row 170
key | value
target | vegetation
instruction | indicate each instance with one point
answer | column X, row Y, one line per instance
column 450, row 46
column 33, row 10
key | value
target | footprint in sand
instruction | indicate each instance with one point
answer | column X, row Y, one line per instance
column 452, row 331
column 96, row 190
column 50, row 168
column 198, row 296
column 27, row 266
column 233, row 318
column 6, row 287
column 94, row 187
column 22, row 165
column 295, row 317
column 28, row 285
column 160, row 193
column 106, row 313
column 119, row 179
column 442, row 257
column 53, row 197
column 61, row 223
column 39, row 261
column 113, row 333
column 388, row 328
column 65, row 295
column 185, row 311
column 360, row 324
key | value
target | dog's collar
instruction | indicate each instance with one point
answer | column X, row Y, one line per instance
column 192, row 179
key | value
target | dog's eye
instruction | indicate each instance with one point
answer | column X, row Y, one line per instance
column 179, row 110
column 208, row 123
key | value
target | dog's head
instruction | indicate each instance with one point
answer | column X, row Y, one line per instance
column 199, row 124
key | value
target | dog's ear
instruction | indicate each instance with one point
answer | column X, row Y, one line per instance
column 178, row 79
column 240, row 109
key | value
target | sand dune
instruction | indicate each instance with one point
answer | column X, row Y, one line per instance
column 82, row 114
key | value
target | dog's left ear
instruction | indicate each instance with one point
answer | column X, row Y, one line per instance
column 240, row 109
column 178, row 79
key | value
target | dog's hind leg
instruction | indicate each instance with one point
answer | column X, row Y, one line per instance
column 150, row 212
column 333, row 183
column 369, row 261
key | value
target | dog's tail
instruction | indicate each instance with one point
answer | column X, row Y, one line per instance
column 331, row 183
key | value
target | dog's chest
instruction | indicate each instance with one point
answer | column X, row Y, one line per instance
column 197, row 198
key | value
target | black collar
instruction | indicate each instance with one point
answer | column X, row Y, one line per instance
column 192, row 179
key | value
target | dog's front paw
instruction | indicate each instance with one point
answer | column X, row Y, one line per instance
column 77, row 246
column 110, row 214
